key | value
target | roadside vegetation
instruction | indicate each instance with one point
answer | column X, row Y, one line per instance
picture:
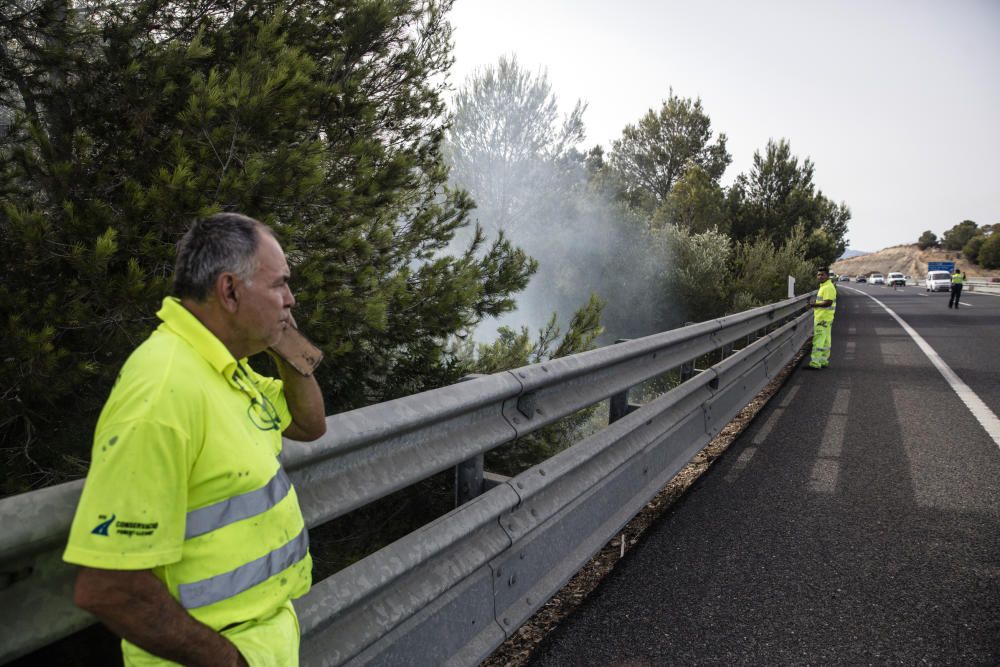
column 979, row 244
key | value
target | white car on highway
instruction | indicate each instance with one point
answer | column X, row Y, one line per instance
column 876, row 279
column 896, row 279
column 938, row 281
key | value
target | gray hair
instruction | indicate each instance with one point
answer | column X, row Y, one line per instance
column 222, row 243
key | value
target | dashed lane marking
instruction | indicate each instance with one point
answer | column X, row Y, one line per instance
column 977, row 407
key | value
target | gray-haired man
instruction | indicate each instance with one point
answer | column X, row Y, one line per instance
column 189, row 533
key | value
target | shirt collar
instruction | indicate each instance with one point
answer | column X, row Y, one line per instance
column 182, row 322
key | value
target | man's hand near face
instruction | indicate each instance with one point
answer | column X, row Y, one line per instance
column 305, row 401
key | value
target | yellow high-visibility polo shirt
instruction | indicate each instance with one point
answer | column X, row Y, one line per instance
column 827, row 292
column 184, row 479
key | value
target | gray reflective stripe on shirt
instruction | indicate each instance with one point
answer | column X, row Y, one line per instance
column 212, row 517
column 226, row 585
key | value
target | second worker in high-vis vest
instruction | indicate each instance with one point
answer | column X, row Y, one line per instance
column 188, row 532
column 824, row 308
column 957, row 281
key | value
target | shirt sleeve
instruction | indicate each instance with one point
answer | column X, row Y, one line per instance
column 133, row 509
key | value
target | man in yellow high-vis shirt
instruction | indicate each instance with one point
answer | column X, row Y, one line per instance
column 957, row 281
column 824, row 308
column 188, row 531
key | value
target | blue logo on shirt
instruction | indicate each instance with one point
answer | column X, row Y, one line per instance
column 102, row 528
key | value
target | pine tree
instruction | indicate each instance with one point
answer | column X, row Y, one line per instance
column 121, row 122
column 777, row 196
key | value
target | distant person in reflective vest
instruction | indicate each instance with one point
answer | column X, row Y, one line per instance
column 188, row 533
column 824, row 308
column 957, row 280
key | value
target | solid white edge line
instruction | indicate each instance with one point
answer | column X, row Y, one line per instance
column 979, row 410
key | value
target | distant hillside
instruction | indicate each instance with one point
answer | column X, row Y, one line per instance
column 907, row 259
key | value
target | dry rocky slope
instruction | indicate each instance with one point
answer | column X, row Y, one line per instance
column 908, row 260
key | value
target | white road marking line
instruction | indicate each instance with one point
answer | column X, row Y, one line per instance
column 841, row 401
column 785, row 402
column 977, row 407
column 741, row 463
column 765, row 430
column 826, row 470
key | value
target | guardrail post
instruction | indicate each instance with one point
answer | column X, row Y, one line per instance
column 618, row 404
column 468, row 480
column 687, row 368
column 618, row 407
column 469, row 473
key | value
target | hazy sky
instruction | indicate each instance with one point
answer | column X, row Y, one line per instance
column 897, row 103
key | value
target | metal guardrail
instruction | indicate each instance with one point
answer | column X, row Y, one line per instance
column 453, row 590
column 982, row 286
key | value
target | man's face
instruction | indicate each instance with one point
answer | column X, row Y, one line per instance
column 265, row 301
column 823, row 276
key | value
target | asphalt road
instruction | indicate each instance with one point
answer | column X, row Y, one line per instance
column 856, row 521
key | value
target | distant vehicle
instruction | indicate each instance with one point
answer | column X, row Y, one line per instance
column 861, row 279
column 876, row 279
column 844, row 279
column 896, row 279
column 938, row 281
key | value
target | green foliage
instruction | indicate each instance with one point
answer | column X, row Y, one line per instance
column 696, row 202
column 324, row 120
column 989, row 252
column 777, row 196
column 653, row 155
column 695, row 270
column 927, row 240
column 760, row 271
column 971, row 249
column 514, row 349
column 956, row 237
